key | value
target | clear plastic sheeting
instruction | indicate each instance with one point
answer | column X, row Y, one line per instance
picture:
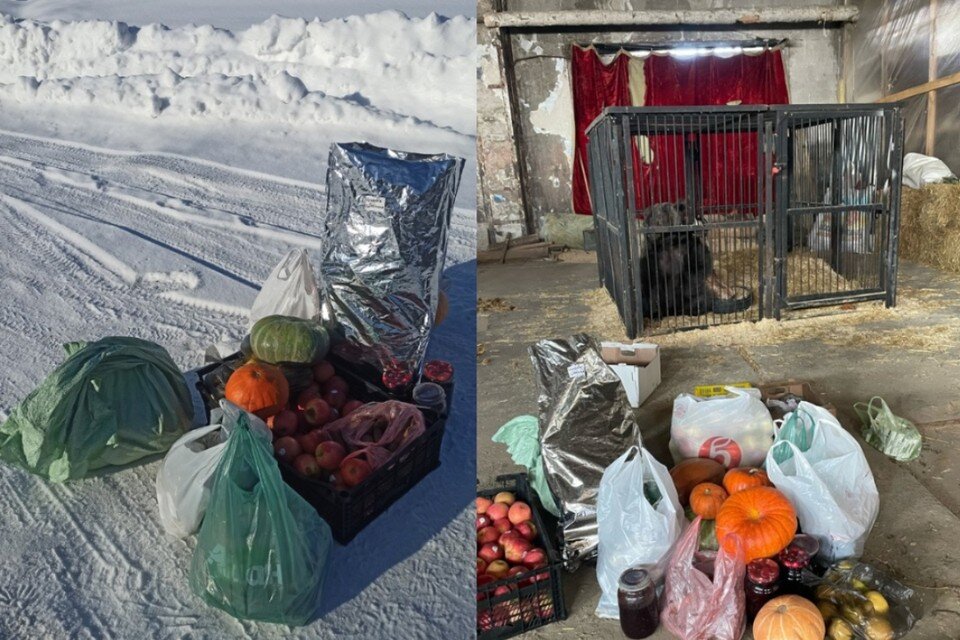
column 386, row 226
column 585, row 424
column 893, row 44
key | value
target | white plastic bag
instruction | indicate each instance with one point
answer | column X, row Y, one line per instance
column 830, row 485
column 736, row 430
column 186, row 473
column 632, row 531
column 919, row 170
column 290, row 290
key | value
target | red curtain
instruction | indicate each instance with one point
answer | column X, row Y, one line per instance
column 728, row 161
column 595, row 86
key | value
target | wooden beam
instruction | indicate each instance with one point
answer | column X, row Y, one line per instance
column 920, row 89
column 823, row 14
column 930, row 141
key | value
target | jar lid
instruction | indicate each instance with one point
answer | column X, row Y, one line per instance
column 763, row 571
column 428, row 393
column 635, row 579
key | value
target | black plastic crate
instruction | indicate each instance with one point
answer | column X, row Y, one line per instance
column 374, row 377
column 532, row 605
column 348, row 511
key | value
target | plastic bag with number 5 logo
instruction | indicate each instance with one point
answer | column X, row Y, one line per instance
column 734, row 430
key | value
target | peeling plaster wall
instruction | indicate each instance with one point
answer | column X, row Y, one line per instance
column 541, row 66
column 499, row 200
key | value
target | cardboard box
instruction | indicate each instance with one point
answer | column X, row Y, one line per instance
column 799, row 388
column 637, row 366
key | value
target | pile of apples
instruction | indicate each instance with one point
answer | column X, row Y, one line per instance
column 506, row 547
column 297, row 436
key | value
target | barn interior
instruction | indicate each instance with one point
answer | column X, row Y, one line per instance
column 897, row 336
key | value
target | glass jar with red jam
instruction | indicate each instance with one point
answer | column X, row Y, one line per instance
column 794, row 560
column 762, row 584
column 637, row 597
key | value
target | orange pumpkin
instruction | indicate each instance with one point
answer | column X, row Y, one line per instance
column 742, row 478
column 761, row 517
column 706, row 498
column 259, row 388
column 789, row 618
column 689, row 473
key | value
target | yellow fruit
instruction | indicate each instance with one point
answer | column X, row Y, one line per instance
column 505, row 497
column 859, row 585
column 853, row 615
column 840, row 630
column 878, row 629
column 828, row 610
column 880, row 604
column 845, row 565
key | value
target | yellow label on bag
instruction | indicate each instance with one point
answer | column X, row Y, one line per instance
column 713, row 390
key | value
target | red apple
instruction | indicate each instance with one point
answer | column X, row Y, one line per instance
column 350, row 406
column 487, row 534
column 306, row 465
column 354, row 471
column 338, row 483
column 483, row 521
column 482, row 504
column 335, row 383
column 335, row 398
column 323, row 371
column 514, row 549
column 316, row 412
column 334, row 414
column 519, row 512
column 515, row 571
column 506, row 535
column 312, row 391
column 490, row 551
column 482, row 579
column 504, row 589
column 534, row 557
column 497, row 568
column 503, row 525
column 330, row 454
column 287, row 449
column 481, row 566
column 497, row 510
column 527, row 530
column 309, row 441
column 283, row 424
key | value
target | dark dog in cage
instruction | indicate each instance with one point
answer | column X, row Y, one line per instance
column 675, row 265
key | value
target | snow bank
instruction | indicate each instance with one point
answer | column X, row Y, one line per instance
column 382, row 67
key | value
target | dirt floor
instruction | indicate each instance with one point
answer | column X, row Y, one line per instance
column 909, row 355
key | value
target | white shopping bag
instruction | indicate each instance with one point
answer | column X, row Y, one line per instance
column 186, row 473
column 736, row 430
column 632, row 531
column 290, row 290
column 830, row 484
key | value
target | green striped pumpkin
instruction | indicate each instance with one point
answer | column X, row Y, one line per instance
column 276, row 339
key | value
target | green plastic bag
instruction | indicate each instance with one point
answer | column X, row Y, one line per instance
column 522, row 437
column 262, row 549
column 110, row 403
column 797, row 427
column 895, row 436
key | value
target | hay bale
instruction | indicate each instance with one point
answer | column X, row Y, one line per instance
column 930, row 226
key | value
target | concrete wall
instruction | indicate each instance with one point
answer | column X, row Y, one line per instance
column 542, row 70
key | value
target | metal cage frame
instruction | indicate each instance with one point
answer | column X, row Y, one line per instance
column 773, row 205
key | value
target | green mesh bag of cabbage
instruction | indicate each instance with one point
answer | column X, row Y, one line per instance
column 262, row 549
column 110, row 403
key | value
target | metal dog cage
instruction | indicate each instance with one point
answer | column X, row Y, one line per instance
column 712, row 215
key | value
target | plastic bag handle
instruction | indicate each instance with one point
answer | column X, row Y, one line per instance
column 287, row 269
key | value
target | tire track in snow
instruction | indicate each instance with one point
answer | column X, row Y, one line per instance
column 93, row 253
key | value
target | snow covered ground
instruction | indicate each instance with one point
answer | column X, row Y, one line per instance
column 127, row 208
